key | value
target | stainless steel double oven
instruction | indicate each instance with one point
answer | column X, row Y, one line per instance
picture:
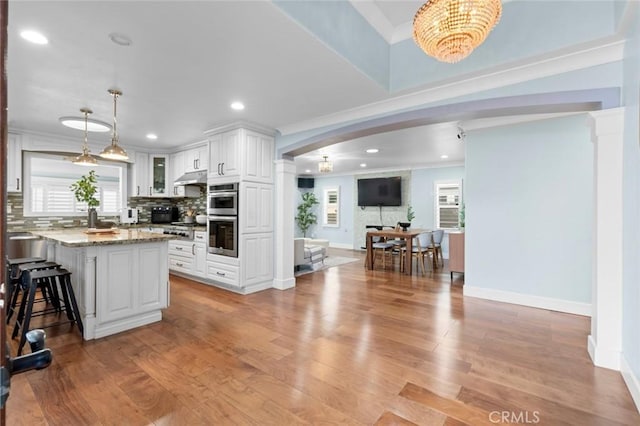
column 222, row 209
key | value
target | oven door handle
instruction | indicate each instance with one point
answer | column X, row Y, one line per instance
column 223, row 218
column 223, row 194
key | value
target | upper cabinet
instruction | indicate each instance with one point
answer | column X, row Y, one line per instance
column 149, row 175
column 241, row 152
column 177, row 163
column 14, row 163
column 196, row 159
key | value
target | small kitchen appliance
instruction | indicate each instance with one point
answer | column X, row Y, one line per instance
column 164, row 214
column 129, row 215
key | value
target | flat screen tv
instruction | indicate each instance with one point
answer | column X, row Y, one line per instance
column 380, row 192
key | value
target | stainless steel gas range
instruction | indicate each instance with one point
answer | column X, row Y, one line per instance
column 184, row 231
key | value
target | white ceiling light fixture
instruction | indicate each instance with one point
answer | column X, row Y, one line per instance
column 449, row 30
column 444, row 156
column 372, row 151
column 237, row 106
column 363, row 164
column 325, row 166
column 78, row 123
column 114, row 151
column 34, row 37
column 85, row 159
column 152, row 136
column 308, row 171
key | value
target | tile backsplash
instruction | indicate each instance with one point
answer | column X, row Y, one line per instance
column 16, row 221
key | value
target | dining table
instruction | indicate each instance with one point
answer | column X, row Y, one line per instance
column 388, row 234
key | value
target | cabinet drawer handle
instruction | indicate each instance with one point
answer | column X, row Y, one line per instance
column 179, row 248
column 198, row 237
column 179, row 264
column 193, row 249
column 222, row 274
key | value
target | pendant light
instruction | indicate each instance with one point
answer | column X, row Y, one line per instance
column 325, row 166
column 114, row 151
column 85, row 159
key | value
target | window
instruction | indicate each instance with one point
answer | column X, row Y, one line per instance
column 331, row 204
column 447, row 203
column 47, row 181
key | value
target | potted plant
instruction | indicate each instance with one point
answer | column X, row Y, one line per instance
column 85, row 190
column 410, row 216
column 305, row 216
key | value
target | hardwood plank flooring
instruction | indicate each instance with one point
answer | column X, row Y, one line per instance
column 346, row 346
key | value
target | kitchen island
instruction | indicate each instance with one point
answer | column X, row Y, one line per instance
column 120, row 279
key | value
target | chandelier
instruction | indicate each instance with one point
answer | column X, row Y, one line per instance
column 449, row 30
column 114, row 151
column 325, row 166
column 85, row 159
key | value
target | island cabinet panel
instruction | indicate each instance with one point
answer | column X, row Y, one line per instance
column 151, row 295
column 116, row 293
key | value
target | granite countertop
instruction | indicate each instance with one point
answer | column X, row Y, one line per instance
column 80, row 238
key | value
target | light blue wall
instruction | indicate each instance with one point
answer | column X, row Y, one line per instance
column 607, row 75
column 631, row 208
column 423, row 196
column 344, row 233
column 529, row 209
column 343, row 29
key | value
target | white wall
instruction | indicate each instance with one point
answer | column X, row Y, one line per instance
column 529, row 210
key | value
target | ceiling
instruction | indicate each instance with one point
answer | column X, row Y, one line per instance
column 189, row 61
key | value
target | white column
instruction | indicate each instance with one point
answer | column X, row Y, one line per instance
column 605, row 341
column 284, row 215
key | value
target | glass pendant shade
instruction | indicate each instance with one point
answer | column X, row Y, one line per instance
column 114, row 151
column 449, row 30
column 325, row 166
column 85, row 159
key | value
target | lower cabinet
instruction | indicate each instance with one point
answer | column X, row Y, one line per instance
column 456, row 252
column 224, row 273
column 257, row 268
column 188, row 257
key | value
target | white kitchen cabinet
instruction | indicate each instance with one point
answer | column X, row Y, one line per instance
column 149, row 175
column 14, row 163
column 257, row 269
column 258, row 158
column 189, row 257
column 139, row 176
column 130, row 281
column 159, row 175
column 224, row 273
column 256, row 213
column 196, row 159
column 224, row 154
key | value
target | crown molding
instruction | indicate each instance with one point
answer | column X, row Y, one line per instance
column 603, row 51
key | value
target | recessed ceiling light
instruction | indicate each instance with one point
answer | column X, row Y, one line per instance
column 372, row 150
column 363, row 164
column 93, row 125
column 444, row 156
column 152, row 136
column 238, row 106
column 120, row 39
column 307, row 171
column 36, row 38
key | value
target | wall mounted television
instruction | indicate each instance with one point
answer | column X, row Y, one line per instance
column 380, row 192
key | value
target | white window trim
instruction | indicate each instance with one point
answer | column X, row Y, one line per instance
column 436, row 211
column 325, row 205
column 26, row 194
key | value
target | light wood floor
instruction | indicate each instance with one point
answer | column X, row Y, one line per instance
column 346, row 346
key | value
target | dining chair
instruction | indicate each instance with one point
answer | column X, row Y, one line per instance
column 435, row 247
column 419, row 248
column 383, row 248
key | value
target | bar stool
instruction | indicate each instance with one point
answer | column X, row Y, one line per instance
column 13, row 278
column 49, row 294
column 52, row 278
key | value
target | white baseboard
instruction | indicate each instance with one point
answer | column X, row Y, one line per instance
column 559, row 305
column 632, row 381
column 603, row 356
column 126, row 324
column 341, row 245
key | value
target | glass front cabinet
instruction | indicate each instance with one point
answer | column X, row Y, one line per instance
column 159, row 175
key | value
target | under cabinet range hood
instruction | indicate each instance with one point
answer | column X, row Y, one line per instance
column 192, row 178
